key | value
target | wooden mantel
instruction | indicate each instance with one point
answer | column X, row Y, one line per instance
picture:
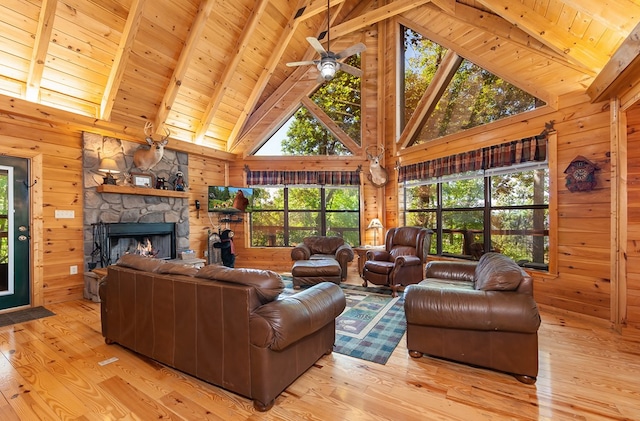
column 141, row 191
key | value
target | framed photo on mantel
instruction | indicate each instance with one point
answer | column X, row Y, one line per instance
column 141, row 180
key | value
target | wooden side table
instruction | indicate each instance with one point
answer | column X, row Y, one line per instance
column 361, row 251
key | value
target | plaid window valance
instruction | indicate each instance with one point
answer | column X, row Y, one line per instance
column 515, row 152
column 275, row 178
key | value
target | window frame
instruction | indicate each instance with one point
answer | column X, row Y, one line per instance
column 487, row 208
column 322, row 211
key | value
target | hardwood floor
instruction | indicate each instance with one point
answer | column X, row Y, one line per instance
column 50, row 369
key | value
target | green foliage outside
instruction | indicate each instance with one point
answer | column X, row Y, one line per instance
column 306, row 136
column 304, row 214
column 4, row 221
column 473, row 97
column 340, row 100
column 517, row 231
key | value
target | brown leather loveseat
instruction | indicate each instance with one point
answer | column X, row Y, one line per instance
column 480, row 313
column 321, row 248
column 229, row 327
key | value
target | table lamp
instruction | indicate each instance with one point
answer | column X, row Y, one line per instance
column 109, row 166
column 375, row 224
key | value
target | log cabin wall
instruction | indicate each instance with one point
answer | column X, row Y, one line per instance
column 56, row 164
column 580, row 278
column 633, row 215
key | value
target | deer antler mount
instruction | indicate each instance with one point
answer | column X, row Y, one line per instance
column 147, row 158
column 377, row 173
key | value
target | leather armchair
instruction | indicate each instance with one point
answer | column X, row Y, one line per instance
column 402, row 260
column 319, row 247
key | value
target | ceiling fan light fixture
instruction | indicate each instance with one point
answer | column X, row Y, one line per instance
column 328, row 69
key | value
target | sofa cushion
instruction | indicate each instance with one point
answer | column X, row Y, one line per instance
column 139, row 262
column 268, row 284
column 497, row 272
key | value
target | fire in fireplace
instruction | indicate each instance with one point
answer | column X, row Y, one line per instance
column 154, row 239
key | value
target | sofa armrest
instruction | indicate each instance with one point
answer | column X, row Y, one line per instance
column 455, row 271
column 283, row 322
column 471, row 309
column 345, row 252
column 300, row 252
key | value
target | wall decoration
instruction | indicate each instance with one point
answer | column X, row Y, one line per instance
column 581, row 174
column 141, row 180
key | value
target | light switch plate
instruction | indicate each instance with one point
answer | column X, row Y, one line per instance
column 65, row 214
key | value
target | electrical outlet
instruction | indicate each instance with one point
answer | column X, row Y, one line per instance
column 73, row 270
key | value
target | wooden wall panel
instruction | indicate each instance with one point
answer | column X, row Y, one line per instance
column 633, row 223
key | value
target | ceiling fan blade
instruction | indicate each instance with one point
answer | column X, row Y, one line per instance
column 351, row 70
column 317, row 46
column 300, row 63
column 354, row 49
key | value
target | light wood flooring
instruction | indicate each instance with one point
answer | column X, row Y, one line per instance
column 50, row 370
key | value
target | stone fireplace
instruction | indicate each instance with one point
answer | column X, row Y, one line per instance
column 128, row 217
column 154, row 239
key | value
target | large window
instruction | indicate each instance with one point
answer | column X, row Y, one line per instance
column 498, row 210
column 283, row 216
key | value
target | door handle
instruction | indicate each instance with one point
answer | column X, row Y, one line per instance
column 22, row 238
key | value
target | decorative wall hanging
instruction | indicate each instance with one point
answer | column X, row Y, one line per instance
column 377, row 173
column 581, row 174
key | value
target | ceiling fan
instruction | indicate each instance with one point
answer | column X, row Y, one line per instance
column 328, row 64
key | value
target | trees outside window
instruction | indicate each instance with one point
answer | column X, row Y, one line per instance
column 283, row 216
column 473, row 96
column 505, row 211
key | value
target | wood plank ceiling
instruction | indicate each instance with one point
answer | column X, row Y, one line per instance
column 202, row 67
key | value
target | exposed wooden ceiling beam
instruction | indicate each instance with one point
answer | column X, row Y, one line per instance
column 263, row 111
column 556, row 38
column 40, row 48
column 427, row 103
column 316, row 7
column 230, row 70
column 121, row 58
column 319, row 113
column 496, row 25
column 186, row 55
column 381, row 13
column 625, row 64
column 263, row 79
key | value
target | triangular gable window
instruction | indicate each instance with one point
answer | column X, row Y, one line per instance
column 471, row 96
column 302, row 135
column 340, row 100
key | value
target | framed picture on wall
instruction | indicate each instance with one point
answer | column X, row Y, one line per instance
column 141, row 180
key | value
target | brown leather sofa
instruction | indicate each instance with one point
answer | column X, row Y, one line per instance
column 321, row 248
column 229, row 327
column 480, row 313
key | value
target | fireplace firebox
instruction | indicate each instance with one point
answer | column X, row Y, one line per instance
column 112, row 240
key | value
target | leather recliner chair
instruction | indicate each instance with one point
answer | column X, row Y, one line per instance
column 402, row 260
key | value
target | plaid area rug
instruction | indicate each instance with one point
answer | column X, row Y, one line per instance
column 372, row 324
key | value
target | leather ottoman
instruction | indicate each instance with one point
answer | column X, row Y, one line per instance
column 311, row 272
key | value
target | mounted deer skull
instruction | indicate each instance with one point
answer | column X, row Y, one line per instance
column 145, row 159
column 377, row 173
